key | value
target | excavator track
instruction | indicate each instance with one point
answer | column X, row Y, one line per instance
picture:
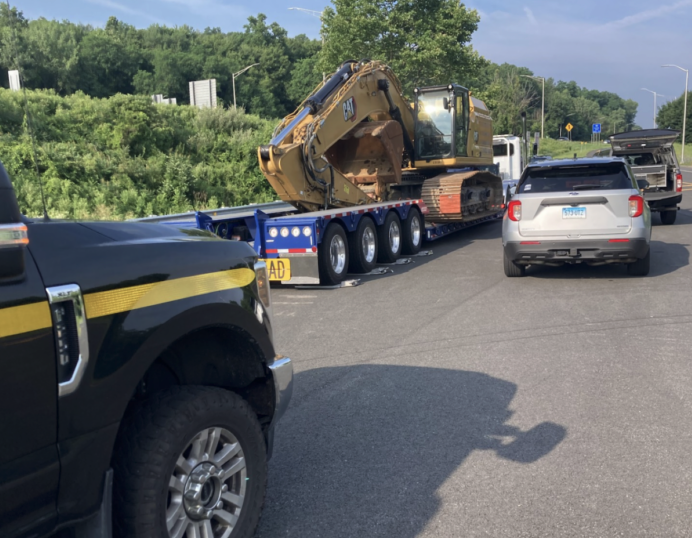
column 462, row 196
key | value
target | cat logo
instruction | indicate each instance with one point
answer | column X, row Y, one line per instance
column 350, row 109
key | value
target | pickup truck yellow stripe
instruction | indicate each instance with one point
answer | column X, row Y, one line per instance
column 25, row 318
column 107, row 303
column 33, row 317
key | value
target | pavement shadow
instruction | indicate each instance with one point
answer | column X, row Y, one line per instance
column 665, row 258
column 363, row 449
column 486, row 231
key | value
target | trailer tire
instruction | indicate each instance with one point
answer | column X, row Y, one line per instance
column 389, row 238
column 668, row 217
column 413, row 232
column 333, row 269
column 363, row 246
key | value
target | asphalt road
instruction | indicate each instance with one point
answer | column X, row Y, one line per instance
column 446, row 400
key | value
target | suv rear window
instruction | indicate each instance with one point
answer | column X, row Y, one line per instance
column 575, row 178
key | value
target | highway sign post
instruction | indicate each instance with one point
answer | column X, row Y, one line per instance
column 596, row 132
column 569, row 128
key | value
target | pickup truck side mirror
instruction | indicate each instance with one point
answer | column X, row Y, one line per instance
column 642, row 184
column 13, row 233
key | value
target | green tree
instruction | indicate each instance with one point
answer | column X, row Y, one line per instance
column 424, row 41
column 670, row 115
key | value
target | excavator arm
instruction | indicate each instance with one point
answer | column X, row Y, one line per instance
column 344, row 143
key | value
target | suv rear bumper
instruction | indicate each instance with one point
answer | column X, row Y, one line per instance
column 658, row 200
column 587, row 250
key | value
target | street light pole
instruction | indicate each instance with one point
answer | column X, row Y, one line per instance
column 684, row 114
column 655, row 109
column 237, row 75
column 319, row 15
column 542, row 79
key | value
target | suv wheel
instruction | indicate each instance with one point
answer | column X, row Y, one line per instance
column 512, row 269
column 189, row 462
column 668, row 217
column 640, row 267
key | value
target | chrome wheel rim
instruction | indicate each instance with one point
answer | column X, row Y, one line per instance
column 415, row 230
column 368, row 244
column 394, row 237
column 337, row 254
column 206, row 491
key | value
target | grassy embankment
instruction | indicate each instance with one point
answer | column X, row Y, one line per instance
column 559, row 149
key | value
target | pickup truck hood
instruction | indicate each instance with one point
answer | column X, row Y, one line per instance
column 133, row 232
column 644, row 140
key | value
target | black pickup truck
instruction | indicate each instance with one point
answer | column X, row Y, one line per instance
column 651, row 155
column 139, row 387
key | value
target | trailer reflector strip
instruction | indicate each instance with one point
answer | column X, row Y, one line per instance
column 291, row 250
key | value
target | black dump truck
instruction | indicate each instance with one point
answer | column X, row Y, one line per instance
column 651, row 155
column 139, row 387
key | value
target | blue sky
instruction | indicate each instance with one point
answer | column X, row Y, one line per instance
column 613, row 45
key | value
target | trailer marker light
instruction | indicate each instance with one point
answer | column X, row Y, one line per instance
column 273, row 232
column 295, row 231
column 284, row 232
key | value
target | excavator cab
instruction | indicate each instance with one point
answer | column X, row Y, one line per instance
column 441, row 122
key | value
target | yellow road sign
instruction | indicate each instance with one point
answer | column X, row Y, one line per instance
column 569, row 126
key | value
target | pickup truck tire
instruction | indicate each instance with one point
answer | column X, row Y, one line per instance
column 413, row 232
column 189, row 461
column 363, row 245
column 389, row 239
column 668, row 217
column 332, row 255
column 640, row 267
column 512, row 269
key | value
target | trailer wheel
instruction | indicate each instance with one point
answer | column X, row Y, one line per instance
column 668, row 217
column 413, row 232
column 333, row 255
column 389, row 239
column 363, row 245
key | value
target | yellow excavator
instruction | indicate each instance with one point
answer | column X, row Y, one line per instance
column 357, row 140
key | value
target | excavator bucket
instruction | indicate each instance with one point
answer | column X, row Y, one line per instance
column 462, row 196
column 370, row 155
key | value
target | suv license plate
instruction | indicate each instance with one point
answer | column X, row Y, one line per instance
column 573, row 212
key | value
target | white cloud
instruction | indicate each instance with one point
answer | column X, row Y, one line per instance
column 126, row 9
column 644, row 16
column 530, row 16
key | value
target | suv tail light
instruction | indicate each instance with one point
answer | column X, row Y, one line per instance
column 678, row 182
column 636, row 205
column 514, row 210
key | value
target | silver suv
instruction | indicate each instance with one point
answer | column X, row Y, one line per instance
column 577, row 211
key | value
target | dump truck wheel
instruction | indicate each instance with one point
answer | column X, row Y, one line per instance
column 413, row 231
column 332, row 255
column 363, row 247
column 389, row 237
